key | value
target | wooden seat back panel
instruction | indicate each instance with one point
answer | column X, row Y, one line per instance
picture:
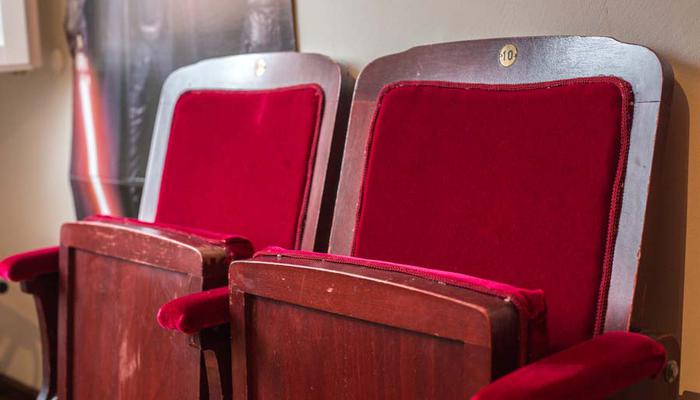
column 118, row 301
column 315, row 330
column 113, row 279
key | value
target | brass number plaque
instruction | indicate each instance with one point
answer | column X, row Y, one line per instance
column 508, row 55
column 260, row 67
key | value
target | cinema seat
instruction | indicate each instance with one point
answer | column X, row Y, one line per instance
column 240, row 159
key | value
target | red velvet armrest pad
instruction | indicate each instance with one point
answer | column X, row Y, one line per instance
column 27, row 266
column 238, row 246
column 194, row 312
column 594, row 369
column 529, row 303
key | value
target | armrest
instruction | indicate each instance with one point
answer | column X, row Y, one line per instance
column 197, row 311
column 594, row 369
column 29, row 265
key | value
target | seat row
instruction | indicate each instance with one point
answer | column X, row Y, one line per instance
column 468, row 225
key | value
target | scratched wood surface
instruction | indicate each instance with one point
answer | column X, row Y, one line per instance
column 313, row 330
column 113, row 280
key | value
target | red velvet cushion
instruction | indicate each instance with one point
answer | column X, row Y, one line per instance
column 529, row 303
column 28, row 265
column 197, row 311
column 518, row 184
column 592, row 370
column 240, row 161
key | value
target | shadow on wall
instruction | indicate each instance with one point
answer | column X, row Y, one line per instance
column 679, row 207
column 663, row 260
column 19, row 337
column 663, row 265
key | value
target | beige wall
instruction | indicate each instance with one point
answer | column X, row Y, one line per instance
column 355, row 32
column 35, row 115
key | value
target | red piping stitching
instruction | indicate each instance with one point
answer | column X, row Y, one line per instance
column 615, row 203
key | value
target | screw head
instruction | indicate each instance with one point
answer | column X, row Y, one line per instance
column 671, row 371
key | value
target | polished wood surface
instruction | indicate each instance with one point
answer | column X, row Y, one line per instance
column 309, row 329
column 113, row 280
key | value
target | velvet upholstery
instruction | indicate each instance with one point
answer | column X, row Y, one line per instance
column 197, row 311
column 592, row 370
column 263, row 145
column 518, row 184
column 29, row 265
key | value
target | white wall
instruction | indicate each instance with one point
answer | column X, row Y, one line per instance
column 355, row 32
column 35, row 122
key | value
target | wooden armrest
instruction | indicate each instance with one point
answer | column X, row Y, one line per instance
column 195, row 312
column 158, row 247
column 343, row 328
column 594, row 369
column 30, row 264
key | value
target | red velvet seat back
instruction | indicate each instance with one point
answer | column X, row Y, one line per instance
column 240, row 162
column 516, row 183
